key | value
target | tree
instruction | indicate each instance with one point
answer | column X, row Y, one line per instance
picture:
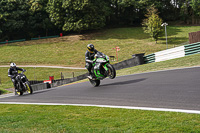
column 190, row 11
column 38, row 20
column 78, row 15
column 195, row 4
column 15, row 13
column 152, row 24
column 1, row 20
column 127, row 12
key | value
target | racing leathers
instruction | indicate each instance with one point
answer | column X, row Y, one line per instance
column 89, row 60
column 12, row 73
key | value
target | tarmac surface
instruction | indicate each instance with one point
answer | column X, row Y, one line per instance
column 174, row 89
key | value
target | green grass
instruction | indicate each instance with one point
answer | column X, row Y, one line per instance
column 51, row 119
column 71, row 51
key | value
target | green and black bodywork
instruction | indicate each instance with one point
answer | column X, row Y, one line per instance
column 101, row 69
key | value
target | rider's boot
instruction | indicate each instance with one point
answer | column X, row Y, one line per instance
column 16, row 87
column 90, row 75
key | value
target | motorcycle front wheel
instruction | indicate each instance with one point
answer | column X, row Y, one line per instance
column 29, row 88
column 111, row 71
column 95, row 83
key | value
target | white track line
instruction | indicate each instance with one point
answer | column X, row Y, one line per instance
column 111, row 106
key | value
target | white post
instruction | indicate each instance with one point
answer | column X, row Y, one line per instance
column 165, row 24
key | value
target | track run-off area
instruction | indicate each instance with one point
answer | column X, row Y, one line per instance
column 175, row 90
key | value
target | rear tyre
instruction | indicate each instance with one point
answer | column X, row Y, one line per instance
column 19, row 93
column 95, row 83
column 111, row 71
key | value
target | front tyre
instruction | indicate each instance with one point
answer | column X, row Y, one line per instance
column 111, row 71
column 29, row 88
column 95, row 83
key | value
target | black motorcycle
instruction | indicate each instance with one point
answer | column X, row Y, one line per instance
column 23, row 84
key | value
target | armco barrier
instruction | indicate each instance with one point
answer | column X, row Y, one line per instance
column 137, row 59
column 3, row 42
column 149, row 58
column 173, row 53
column 68, row 80
column 193, row 48
column 170, row 54
column 21, row 40
column 40, row 86
column 44, row 37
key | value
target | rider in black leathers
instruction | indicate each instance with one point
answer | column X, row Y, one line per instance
column 12, row 73
column 89, row 56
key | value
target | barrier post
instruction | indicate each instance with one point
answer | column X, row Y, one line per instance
column 117, row 49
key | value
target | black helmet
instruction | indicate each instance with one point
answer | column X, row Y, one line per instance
column 90, row 48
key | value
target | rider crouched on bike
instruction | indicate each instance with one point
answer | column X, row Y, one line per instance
column 12, row 73
column 89, row 56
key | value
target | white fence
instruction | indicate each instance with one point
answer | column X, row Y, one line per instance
column 170, row 54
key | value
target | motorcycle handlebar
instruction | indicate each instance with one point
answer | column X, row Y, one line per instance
column 23, row 71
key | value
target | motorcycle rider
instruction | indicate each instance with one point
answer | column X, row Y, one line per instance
column 89, row 56
column 12, row 73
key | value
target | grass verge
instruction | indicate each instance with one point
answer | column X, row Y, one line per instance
column 46, row 119
column 70, row 52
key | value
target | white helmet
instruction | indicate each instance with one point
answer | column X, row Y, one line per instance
column 12, row 65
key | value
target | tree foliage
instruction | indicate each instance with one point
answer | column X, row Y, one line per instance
column 14, row 14
column 30, row 18
column 78, row 15
column 152, row 24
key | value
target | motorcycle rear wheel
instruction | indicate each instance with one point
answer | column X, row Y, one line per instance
column 111, row 71
column 19, row 93
column 95, row 83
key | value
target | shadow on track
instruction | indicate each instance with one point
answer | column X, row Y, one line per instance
column 126, row 82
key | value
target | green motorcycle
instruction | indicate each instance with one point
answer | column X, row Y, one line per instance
column 101, row 69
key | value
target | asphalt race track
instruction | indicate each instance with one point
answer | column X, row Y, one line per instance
column 174, row 89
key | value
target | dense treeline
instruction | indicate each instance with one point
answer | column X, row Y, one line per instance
column 30, row 18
